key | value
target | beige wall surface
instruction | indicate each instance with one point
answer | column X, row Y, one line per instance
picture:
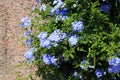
column 12, row 46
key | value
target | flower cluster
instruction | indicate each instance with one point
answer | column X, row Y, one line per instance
column 52, row 40
column 29, row 54
column 27, row 33
column 25, row 22
column 62, row 12
column 37, row 1
column 77, row 26
column 114, row 65
column 73, row 40
column 57, row 36
column 28, row 42
column 49, row 59
column 58, row 4
column 42, row 35
column 105, row 8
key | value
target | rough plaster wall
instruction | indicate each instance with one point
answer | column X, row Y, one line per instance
column 12, row 46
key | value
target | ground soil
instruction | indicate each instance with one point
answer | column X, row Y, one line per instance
column 12, row 47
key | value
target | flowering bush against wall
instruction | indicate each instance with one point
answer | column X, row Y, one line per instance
column 74, row 39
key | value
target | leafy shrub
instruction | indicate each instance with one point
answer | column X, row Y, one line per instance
column 75, row 39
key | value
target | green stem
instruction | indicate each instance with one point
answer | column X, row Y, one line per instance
column 94, row 61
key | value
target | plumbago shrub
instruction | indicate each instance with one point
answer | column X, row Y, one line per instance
column 74, row 39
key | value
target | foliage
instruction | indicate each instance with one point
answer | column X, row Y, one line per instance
column 74, row 39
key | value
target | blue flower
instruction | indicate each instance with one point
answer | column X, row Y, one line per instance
column 29, row 54
column 104, row 8
column 62, row 12
column 114, row 61
column 46, row 59
column 99, row 73
column 57, row 36
column 42, row 7
column 59, row 4
column 28, row 42
column 27, row 33
column 73, row 40
column 114, row 65
column 37, row 1
column 42, row 35
column 77, row 26
column 45, row 43
column 52, row 40
column 49, row 59
column 53, row 60
column 25, row 22
column 114, row 69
